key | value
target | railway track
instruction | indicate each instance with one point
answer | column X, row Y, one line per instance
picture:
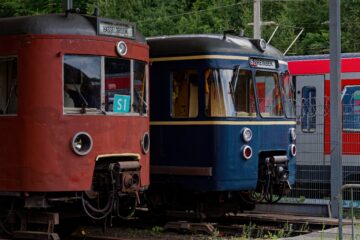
column 143, row 225
column 249, row 225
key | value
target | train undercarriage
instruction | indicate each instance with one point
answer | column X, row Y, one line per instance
column 115, row 193
column 172, row 200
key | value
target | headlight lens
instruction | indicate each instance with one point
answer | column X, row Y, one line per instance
column 81, row 143
column 247, row 152
column 247, row 134
column 293, row 150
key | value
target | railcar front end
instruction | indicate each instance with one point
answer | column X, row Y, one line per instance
column 73, row 113
column 222, row 124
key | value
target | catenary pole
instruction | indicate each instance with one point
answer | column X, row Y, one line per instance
column 67, row 5
column 335, row 107
column 257, row 19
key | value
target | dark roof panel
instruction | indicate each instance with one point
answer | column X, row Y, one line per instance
column 195, row 44
column 71, row 24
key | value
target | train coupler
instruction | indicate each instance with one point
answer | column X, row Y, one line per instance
column 126, row 176
column 275, row 178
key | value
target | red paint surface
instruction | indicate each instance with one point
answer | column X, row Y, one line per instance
column 322, row 66
column 35, row 151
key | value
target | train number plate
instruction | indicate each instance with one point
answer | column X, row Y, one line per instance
column 262, row 63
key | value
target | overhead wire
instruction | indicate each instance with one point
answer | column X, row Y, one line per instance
column 212, row 9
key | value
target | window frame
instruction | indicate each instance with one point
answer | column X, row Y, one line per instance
column 101, row 110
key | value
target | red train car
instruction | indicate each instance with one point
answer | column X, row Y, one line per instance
column 73, row 112
column 311, row 80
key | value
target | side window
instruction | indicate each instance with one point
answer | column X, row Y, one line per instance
column 82, row 82
column 8, row 85
column 140, row 97
column 351, row 108
column 184, row 94
column 117, row 85
column 308, row 109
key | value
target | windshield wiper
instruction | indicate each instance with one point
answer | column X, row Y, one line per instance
column 142, row 101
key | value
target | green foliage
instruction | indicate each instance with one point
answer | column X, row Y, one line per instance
column 157, row 229
column 158, row 17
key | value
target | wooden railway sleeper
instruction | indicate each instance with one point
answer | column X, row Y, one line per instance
column 206, row 228
column 38, row 225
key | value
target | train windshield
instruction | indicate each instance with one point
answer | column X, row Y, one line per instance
column 104, row 84
column 229, row 93
column 269, row 94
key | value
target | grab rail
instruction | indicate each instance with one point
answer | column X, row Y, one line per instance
column 351, row 187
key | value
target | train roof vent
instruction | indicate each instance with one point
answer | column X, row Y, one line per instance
column 233, row 32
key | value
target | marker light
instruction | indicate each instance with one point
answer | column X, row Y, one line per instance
column 293, row 150
column 292, row 134
column 247, row 152
column 121, row 48
column 246, row 134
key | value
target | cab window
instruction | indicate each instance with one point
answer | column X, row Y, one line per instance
column 96, row 84
column 82, row 82
column 269, row 94
column 117, row 85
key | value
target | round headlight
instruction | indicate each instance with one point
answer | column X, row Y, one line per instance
column 121, row 48
column 292, row 134
column 81, row 143
column 246, row 134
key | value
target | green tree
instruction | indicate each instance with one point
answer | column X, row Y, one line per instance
column 159, row 17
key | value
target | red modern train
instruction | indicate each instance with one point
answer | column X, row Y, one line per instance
column 311, row 81
column 74, row 120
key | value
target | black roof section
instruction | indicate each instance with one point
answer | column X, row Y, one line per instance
column 205, row 44
column 66, row 24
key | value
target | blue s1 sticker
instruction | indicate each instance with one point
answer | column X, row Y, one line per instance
column 121, row 103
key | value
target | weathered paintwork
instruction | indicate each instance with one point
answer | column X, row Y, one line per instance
column 35, row 149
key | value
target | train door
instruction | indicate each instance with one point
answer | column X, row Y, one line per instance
column 310, row 119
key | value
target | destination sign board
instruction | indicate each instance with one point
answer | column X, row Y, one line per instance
column 116, row 29
column 262, row 63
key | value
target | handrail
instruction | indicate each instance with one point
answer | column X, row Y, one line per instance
column 351, row 187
